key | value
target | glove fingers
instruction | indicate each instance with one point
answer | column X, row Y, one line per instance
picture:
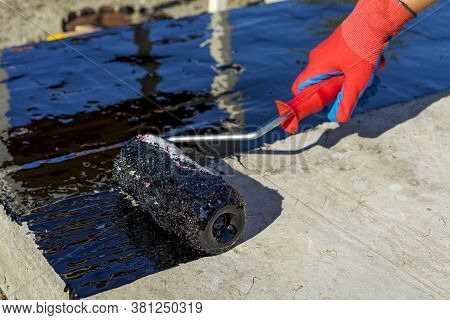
column 311, row 100
column 355, row 83
column 312, row 75
column 308, row 73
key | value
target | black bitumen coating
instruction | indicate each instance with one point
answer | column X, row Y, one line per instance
column 101, row 241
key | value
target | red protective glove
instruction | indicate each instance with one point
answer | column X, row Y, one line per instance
column 342, row 67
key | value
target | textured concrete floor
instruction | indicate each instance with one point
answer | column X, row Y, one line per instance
column 353, row 212
column 359, row 211
column 2, row 295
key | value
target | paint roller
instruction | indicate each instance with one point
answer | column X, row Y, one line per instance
column 187, row 200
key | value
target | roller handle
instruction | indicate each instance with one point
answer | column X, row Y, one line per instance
column 310, row 100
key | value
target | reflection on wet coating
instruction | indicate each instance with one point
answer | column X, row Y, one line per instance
column 99, row 241
column 63, row 117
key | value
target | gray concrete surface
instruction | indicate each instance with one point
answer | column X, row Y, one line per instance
column 359, row 211
column 33, row 20
column 24, row 272
column 2, row 296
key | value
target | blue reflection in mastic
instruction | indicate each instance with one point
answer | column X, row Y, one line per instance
column 72, row 104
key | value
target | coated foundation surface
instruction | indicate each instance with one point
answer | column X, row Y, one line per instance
column 67, row 109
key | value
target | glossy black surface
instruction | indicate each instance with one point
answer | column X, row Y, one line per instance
column 66, row 108
column 100, row 241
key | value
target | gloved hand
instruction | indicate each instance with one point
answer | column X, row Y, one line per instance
column 343, row 66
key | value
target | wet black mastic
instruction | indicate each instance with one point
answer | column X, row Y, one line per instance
column 185, row 199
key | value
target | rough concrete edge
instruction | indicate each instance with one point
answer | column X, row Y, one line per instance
column 24, row 272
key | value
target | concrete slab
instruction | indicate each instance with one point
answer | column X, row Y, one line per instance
column 359, row 211
column 364, row 215
column 24, row 272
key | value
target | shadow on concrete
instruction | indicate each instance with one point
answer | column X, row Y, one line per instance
column 368, row 125
column 263, row 204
